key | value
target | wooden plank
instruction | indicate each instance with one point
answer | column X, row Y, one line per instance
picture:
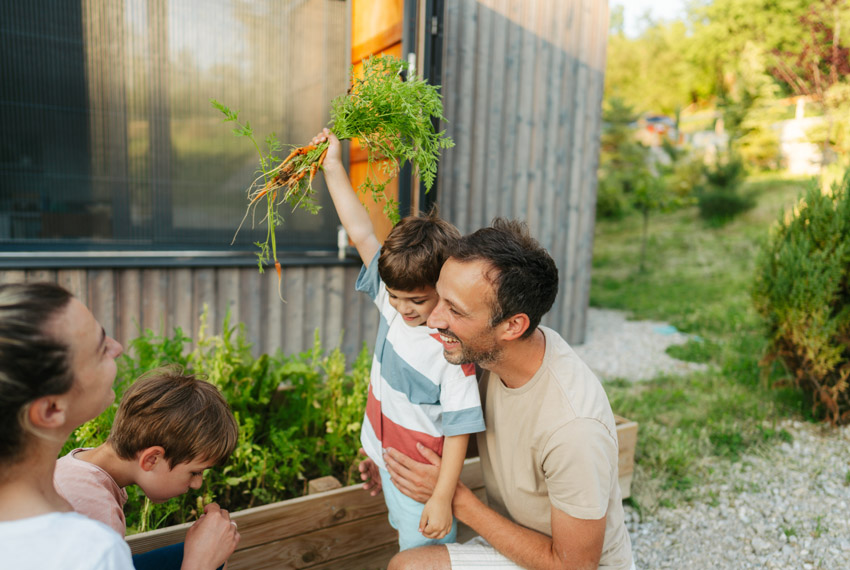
column 564, row 165
column 250, row 306
column 274, row 324
column 495, row 84
column 129, row 309
column 482, row 65
column 154, row 300
column 101, row 295
column 13, row 276
column 294, row 280
column 227, row 296
column 40, row 275
column 465, row 144
column 180, row 302
column 314, row 306
column 377, row 558
column 513, row 67
column 320, row 547
column 523, row 121
column 74, row 280
column 203, row 299
column 333, row 319
column 352, row 305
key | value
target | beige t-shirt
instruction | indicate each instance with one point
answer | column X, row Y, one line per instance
column 553, row 443
column 91, row 491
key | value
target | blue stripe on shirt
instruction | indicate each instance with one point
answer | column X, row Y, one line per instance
column 469, row 420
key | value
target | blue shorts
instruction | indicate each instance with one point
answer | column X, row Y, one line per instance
column 405, row 514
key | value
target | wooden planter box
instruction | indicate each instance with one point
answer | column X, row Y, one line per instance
column 342, row 528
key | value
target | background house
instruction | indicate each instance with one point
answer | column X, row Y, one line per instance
column 119, row 181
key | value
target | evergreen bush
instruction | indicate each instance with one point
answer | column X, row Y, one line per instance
column 802, row 290
column 720, row 198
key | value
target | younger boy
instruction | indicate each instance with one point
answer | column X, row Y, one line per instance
column 170, row 427
column 415, row 396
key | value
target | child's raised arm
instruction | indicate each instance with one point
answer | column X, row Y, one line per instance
column 436, row 521
column 354, row 217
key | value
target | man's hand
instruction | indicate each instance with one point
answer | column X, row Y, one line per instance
column 370, row 475
column 210, row 541
column 414, row 479
column 436, row 521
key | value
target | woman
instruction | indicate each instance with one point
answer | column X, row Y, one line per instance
column 57, row 368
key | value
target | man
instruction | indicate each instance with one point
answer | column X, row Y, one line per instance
column 549, row 455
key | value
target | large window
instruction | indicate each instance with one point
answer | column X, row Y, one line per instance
column 107, row 136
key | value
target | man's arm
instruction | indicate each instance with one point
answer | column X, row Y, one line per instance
column 575, row 543
column 354, row 217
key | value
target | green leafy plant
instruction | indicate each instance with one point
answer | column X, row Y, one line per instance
column 298, row 415
column 391, row 116
column 802, row 292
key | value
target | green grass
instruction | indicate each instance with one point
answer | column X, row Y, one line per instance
column 698, row 278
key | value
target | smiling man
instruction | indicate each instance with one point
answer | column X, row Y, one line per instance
column 549, row 453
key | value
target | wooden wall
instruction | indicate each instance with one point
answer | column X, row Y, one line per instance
column 522, row 89
column 126, row 301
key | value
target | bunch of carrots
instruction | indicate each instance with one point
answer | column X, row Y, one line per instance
column 389, row 115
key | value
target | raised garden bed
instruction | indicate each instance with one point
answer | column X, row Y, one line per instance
column 341, row 528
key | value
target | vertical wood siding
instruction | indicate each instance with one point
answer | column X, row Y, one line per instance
column 522, row 90
column 127, row 301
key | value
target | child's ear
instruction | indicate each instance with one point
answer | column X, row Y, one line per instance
column 148, row 458
column 47, row 412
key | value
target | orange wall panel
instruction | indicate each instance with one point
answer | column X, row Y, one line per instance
column 376, row 210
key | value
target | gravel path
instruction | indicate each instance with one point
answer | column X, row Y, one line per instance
column 786, row 507
column 619, row 348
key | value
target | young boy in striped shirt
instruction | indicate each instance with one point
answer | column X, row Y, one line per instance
column 415, row 395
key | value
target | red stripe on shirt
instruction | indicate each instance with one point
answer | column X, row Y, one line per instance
column 391, row 434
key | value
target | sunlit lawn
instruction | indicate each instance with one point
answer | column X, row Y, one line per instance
column 699, row 279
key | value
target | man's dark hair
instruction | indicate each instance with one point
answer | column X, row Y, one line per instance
column 523, row 274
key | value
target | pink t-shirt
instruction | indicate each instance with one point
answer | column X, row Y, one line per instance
column 91, row 491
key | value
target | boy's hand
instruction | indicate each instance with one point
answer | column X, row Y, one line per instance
column 334, row 156
column 436, row 521
column 370, row 475
column 211, row 540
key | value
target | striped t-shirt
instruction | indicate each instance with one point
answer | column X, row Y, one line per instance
column 415, row 395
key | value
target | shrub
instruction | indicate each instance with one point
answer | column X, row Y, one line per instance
column 719, row 198
column 299, row 418
column 802, row 291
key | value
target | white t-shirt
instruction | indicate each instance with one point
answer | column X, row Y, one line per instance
column 68, row 541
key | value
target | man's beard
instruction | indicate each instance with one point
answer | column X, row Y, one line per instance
column 471, row 355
